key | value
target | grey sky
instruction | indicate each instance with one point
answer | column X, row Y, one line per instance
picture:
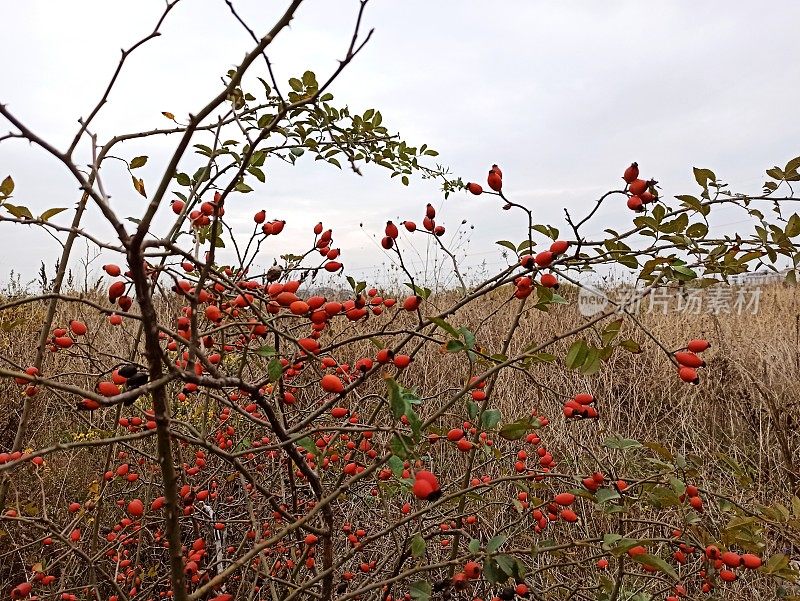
column 563, row 95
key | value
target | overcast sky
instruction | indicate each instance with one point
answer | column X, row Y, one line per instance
column 563, row 95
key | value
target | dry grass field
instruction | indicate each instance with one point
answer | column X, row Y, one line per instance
column 738, row 426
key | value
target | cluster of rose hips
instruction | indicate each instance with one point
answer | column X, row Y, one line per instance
column 270, row 228
column 524, row 283
column 640, row 192
column 693, row 495
column 202, row 216
column 323, row 242
column 428, row 222
column 494, row 180
column 724, row 563
column 689, row 362
column 580, row 406
column 63, row 338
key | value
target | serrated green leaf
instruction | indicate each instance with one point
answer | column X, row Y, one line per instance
column 137, row 162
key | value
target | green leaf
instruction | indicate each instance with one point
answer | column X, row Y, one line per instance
column 490, row 418
column 518, row 429
column 506, row 564
column 474, row 546
column 576, row 355
column 420, row 591
column 183, row 179
column 396, row 465
column 617, row 442
column 421, row 292
column 401, row 445
column 656, row 562
column 688, row 274
column 266, row 351
column 623, row 546
column 604, row 495
column 492, row 573
column 445, row 326
column 509, row 245
column 138, row 162
column 274, row 369
column 495, row 543
column 546, row 230
column 611, row 331
column 592, row 363
column 417, row 545
column 775, row 173
column 306, row 443
column 469, row 338
column 257, row 173
column 19, row 212
column 792, row 165
column 775, row 563
column 704, row 176
column 50, row 213
column 455, row 346
column 793, row 226
column 697, row 230
column 397, row 401
column 243, row 188
column 296, row 84
column 694, row 203
column 309, row 79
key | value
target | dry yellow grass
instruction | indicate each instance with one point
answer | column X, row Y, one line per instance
column 744, row 412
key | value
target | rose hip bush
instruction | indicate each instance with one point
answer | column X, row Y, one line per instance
column 248, row 437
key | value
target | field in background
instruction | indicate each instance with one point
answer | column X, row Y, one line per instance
column 741, row 421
